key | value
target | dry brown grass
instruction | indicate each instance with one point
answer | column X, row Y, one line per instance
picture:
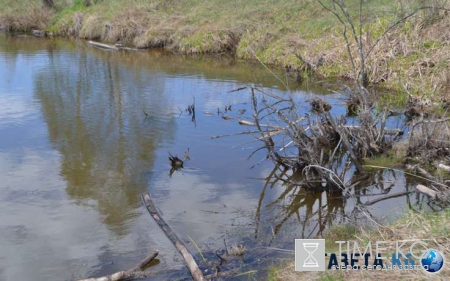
column 33, row 16
column 434, row 229
column 413, row 54
column 129, row 24
column 429, row 140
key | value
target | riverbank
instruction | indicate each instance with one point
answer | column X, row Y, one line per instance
column 433, row 228
column 298, row 35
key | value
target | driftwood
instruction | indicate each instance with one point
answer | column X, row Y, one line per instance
column 249, row 123
column 421, row 171
column 427, row 191
column 394, row 195
column 134, row 273
column 39, row 33
column 192, row 265
column 241, row 133
column 444, row 167
column 111, row 47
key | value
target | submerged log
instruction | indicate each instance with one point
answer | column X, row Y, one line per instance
column 111, row 47
column 134, row 273
column 39, row 33
column 189, row 259
column 389, row 196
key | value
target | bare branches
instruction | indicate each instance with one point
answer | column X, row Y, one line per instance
column 137, row 272
column 364, row 48
column 319, row 145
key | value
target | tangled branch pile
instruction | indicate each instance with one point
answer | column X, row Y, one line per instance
column 329, row 151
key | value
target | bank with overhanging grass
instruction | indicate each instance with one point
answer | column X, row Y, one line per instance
column 431, row 228
column 298, row 35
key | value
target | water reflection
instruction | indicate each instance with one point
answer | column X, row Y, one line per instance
column 317, row 211
column 92, row 108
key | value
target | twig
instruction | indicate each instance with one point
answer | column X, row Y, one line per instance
column 237, row 90
column 134, row 273
column 427, row 191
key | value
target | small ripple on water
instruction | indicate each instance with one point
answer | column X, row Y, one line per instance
column 15, row 110
column 32, row 196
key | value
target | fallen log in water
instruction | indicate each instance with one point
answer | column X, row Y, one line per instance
column 427, row 191
column 110, row 47
column 134, row 273
column 390, row 196
column 249, row 123
column 191, row 263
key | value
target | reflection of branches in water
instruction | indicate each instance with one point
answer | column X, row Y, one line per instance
column 299, row 203
column 261, row 198
column 315, row 211
column 97, row 134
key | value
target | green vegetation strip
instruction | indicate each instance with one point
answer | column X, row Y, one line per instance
column 285, row 33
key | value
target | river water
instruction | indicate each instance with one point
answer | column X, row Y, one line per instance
column 77, row 150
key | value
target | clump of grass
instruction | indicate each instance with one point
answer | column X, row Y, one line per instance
column 28, row 17
column 340, row 233
column 237, row 250
column 390, row 160
column 207, row 41
column 128, row 24
column 93, row 27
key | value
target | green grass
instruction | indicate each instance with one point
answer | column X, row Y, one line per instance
column 270, row 31
column 384, row 161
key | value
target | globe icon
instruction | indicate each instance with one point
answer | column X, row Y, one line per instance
column 432, row 261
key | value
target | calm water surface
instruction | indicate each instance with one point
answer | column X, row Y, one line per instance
column 76, row 153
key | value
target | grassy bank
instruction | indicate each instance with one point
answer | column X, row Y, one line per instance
column 275, row 32
column 433, row 229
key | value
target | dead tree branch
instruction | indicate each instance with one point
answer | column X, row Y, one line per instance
column 137, row 272
column 189, row 259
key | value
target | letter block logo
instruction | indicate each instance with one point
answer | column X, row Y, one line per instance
column 309, row 254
